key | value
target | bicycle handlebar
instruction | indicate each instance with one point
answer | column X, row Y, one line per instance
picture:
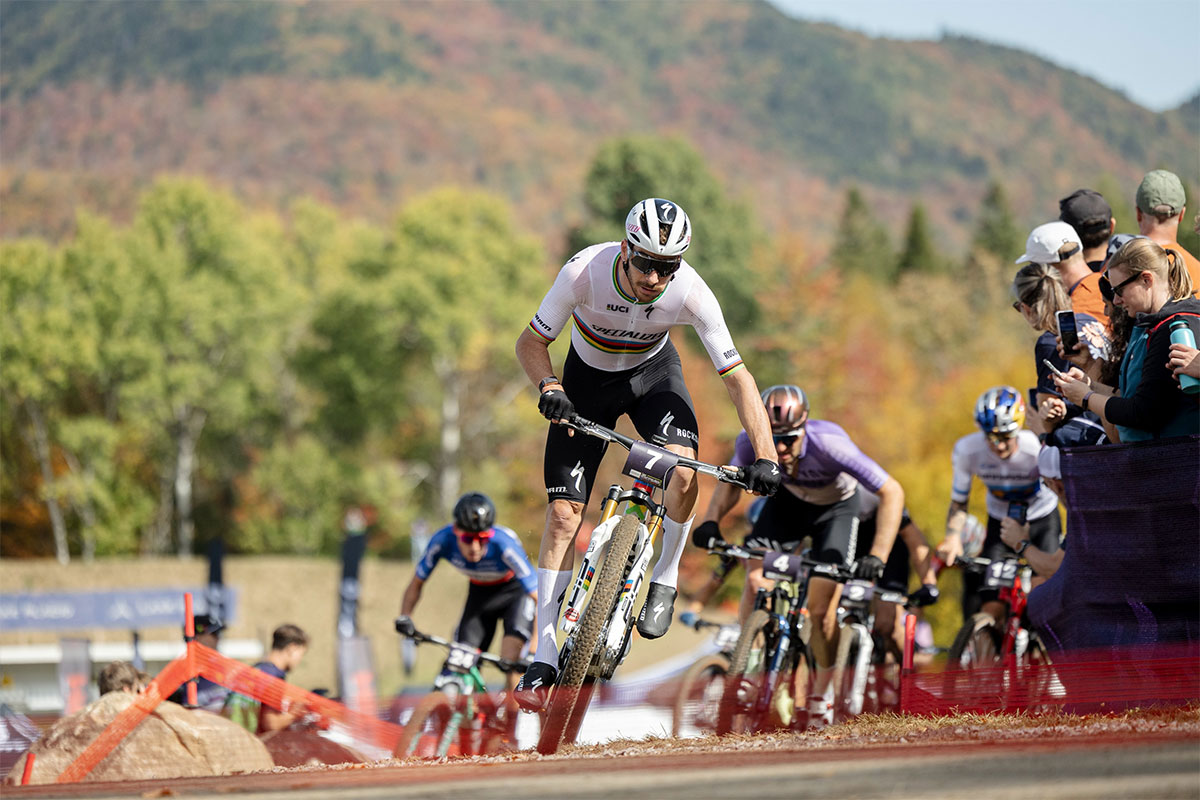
column 834, row 572
column 725, row 474
column 503, row 664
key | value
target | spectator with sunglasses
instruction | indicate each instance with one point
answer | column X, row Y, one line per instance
column 503, row 584
column 1056, row 244
column 1147, row 402
column 1040, row 295
column 624, row 297
column 822, row 472
column 1003, row 454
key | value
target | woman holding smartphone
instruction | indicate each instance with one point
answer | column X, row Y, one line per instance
column 1147, row 402
column 1044, row 303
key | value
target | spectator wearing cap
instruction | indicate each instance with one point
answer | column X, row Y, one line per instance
column 1147, row 402
column 209, row 696
column 1058, row 245
column 1160, row 209
column 1091, row 216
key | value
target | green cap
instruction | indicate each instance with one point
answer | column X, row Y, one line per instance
column 1160, row 192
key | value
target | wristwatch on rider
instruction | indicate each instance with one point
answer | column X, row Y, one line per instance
column 1020, row 548
column 546, row 381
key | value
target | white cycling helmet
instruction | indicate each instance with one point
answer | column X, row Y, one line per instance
column 659, row 228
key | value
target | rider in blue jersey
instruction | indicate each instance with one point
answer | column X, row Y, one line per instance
column 503, row 583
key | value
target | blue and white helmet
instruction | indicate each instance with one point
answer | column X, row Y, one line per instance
column 1000, row 411
column 659, row 227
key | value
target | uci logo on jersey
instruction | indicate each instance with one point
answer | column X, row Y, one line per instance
column 617, row 307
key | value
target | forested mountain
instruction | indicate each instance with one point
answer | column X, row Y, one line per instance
column 362, row 104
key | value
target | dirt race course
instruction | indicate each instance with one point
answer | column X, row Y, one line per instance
column 1100, row 759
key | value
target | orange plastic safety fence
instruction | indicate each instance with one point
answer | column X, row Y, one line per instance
column 275, row 693
column 159, row 689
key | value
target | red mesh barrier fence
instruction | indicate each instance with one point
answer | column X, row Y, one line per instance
column 1088, row 682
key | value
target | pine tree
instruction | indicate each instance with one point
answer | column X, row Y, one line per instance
column 862, row 244
column 919, row 253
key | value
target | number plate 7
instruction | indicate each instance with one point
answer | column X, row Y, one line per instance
column 650, row 464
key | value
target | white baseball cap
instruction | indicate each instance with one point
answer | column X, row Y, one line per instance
column 1043, row 244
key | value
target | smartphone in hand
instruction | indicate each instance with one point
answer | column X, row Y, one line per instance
column 1056, row 370
column 1068, row 333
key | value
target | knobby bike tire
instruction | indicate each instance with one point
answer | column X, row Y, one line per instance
column 845, row 665
column 587, row 636
column 434, row 707
column 692, row 688
column 976, row 645
column 581, row 706
column 728, row 716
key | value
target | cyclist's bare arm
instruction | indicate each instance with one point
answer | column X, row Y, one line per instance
column 887, row 518
column 951, row 546
column 918, row 552
column 534, row 355
column 411, row 595
column 743, row 391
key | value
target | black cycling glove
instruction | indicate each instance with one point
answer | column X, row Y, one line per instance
column 927, row 595
column 763, row 477
column 705, row 533
column 868, row 568
column 555, row 405
column 405, row 626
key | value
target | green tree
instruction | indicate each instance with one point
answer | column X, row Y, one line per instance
column 919, row 254
column 633, row 168
column 862, row 246
column 463, row 283
column 997, row 231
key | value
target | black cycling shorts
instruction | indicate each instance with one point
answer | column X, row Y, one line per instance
column 785, row 520
column 896, row 570
column 652, row 394
column 1045, row 534
column 488, row 605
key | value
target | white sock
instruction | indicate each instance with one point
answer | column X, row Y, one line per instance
column 552, row 585
column 675, row 536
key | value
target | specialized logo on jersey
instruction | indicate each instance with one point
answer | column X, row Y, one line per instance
column 577, row 474
column 665, row 421
column 617, row 340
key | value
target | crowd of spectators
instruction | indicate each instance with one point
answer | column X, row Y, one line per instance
column 1128, row 292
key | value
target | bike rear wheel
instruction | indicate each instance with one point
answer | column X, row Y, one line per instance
column 699, row 697
column 977, row 644
column 587, row 636
column 426, row 727
column 747, row 680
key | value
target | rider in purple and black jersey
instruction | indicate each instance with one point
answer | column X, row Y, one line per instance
column 822, row 471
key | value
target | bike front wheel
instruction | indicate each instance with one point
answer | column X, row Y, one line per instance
column 744, row 697
column 588, row 635
column 426, row 728
column 699, row 697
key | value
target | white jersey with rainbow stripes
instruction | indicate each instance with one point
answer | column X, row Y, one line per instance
column 613, row 331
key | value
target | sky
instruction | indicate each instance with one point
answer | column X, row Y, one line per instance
column 1154, row 60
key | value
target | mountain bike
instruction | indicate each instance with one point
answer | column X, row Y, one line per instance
column 461, row 717
column 1004, row 657
column 599, row 620
column 703, row 683
column 863, row 680
column 771, row 662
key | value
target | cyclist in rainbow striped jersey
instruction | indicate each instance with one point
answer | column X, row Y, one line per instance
column 624, row 297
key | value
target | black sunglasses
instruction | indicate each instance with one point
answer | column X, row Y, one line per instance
column 1119, row 289
column 645, row 265
column 1106, row 290
column 785, row 439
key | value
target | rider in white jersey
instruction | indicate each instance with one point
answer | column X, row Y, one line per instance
column 624, row 298
column 1004, row 456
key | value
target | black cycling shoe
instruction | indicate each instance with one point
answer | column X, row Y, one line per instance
column 534, row 687
column 656, row 614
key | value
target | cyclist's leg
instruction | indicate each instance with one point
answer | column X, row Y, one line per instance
column 834, row 532
column 663, row 414
column 569, row 470
column 993, row 548
column 775, row 528
column 518, row 628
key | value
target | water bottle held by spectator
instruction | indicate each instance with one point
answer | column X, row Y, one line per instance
column 1182, row 334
